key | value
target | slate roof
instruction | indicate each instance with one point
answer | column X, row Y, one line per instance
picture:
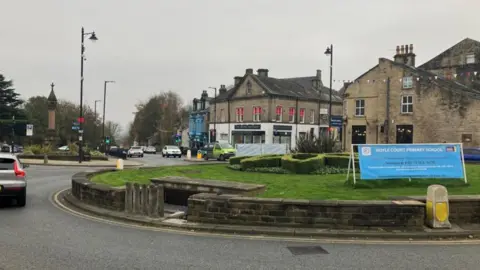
column 300, row 87
column 435, row 62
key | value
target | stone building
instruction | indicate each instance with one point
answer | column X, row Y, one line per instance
column 262, row 109
column 395, row 102
column 460, row 62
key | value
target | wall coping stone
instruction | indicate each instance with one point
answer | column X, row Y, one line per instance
column 241, row 187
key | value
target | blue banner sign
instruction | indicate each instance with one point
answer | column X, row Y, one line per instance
column 395, row 161
column 336, row 121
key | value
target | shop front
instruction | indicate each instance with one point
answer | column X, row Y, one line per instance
column 248, row 133
column 282, row 134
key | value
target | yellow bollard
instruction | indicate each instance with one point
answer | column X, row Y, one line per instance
column 437, row 207
column 199, row 155
column 120, row 164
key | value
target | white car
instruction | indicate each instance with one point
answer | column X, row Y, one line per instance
column 13, row 179
column 171, row 151
column 135, row 151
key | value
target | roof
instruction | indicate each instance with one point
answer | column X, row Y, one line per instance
column 443, row 83
column 299, row 87
column 52, row 96
column 466, row 44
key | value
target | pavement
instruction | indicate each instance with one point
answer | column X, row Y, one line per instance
column 112, row 162
column 42, row 236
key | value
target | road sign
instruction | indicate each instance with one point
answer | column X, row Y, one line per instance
column 75, row 128
column 75, row 123
column 81, row 120
column 80, row 138
column 80, row 131
column 29, row 130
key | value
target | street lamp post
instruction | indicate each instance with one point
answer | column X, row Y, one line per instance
column 214, row 113
column 103, row 118
column 12, row 147
column 329, row 51
column 95, row 123
column 92, row 37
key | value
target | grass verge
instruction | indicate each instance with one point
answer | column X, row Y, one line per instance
column 313, row 187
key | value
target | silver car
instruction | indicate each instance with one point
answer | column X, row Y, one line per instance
column 13, row 179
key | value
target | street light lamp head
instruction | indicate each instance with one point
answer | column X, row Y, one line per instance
column 328, row 51
column 93, row 37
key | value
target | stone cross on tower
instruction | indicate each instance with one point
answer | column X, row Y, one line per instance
column 52, row 106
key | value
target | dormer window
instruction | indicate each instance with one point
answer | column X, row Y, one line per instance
column 470, row 59
column 249, row 88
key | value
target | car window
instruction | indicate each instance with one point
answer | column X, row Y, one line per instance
column 173, row 147
column 136, row 147
column 471, row 151
column 6, row 163
column 226, row 145
column 217, row 145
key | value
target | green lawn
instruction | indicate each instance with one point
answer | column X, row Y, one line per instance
column 300, row 186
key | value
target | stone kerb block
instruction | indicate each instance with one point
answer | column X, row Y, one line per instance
column 437, row 207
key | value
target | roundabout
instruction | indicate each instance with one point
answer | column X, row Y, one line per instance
column 48, row 236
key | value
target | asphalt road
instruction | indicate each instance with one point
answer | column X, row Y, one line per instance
column 40, row 236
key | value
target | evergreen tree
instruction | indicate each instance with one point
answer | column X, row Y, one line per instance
column 10, row 108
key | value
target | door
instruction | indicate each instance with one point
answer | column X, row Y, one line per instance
column 217, row 150
column 209, row 150
column 359, row 136
column 404, row 133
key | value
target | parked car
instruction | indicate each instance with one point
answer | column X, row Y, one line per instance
column 64, row 148
column 150, row 150
column 6, row 148
column 118, row 152
column 471, row 154
column 171, row 150
column 135, row 151
column 13, row 179
column 218, row 151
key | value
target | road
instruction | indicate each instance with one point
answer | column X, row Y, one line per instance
column 40, row 236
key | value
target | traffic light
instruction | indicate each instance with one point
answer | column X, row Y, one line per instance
column 107, row 139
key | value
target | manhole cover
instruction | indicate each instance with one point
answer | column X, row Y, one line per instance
column 308, row 250
column 190, row 171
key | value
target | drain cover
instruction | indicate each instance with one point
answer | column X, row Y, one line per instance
column 307, row 250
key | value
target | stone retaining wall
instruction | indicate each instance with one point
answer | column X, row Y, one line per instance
column 96, row 194
column 234, row 209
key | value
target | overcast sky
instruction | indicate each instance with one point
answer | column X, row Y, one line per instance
column 150, row 46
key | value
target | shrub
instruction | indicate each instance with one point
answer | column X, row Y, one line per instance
column 38, row 149
column 320, row 145
column 264, row 161
column 237, row 160
column 303, row 166
column 339, row 161
column 96, row 153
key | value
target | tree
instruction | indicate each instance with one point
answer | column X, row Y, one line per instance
column 10, row 110
column 36, row 110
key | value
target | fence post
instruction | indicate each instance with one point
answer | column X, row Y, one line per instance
column 136, row 198
column 144, row 200
column 153, row 201
column 128, row 197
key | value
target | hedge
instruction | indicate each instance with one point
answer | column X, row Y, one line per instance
column 303, row 164
column 237, row 160
column 339, row 161
column 264, row 161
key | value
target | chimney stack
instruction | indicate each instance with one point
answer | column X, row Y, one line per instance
column 222, row 89
column 410, row 57
column 249, row 71
column 317, row 80
column 319, row 74
column 237, row 80
column 262, row 72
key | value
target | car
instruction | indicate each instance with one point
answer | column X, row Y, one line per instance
column 171, row 150
column 218, row 151
column 13, row 179
column 471, row 154
column 150, row 150
column 118, row 152
column 64, row 148
column 135, row 151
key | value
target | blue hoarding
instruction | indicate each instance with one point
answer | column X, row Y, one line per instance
column 394, row 161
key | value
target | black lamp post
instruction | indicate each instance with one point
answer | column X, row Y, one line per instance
column 95, row 123
column 329, row 51
column 103, row 118
column 92, row 37
column 214, row 114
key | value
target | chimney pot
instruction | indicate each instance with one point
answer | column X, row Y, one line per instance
column 398, row 49
column 262, row 72
column 402, row 49
column 249, row 71
column 406, row 49
column 411, row 48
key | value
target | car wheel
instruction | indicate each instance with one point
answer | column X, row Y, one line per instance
column 163, row 155
column 179, row 156
column 141, row 156
column 22, row 199
column 221, row 157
